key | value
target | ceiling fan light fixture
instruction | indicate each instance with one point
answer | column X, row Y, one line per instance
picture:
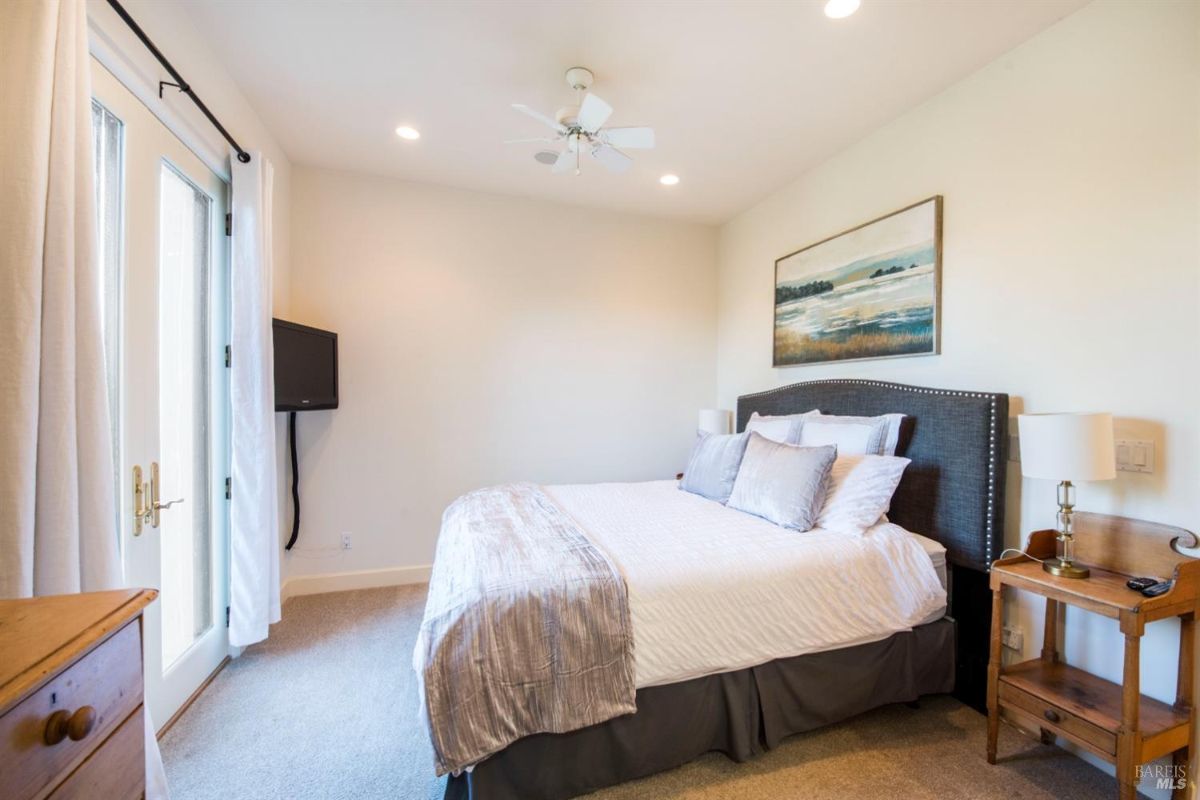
column 408, row 133
column 581, row 129
column 669, row 179
column 840, row 9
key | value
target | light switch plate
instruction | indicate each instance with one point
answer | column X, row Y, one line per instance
column 1135, row 455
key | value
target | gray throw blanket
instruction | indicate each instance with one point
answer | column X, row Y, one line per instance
column 526, row 628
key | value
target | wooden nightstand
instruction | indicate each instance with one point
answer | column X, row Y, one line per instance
column 1113, row 721
column 71, row 724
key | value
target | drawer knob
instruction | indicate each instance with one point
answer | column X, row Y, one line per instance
column 1051, row 715
column 63, row 724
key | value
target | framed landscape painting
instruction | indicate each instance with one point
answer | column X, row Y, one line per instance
column 871, row 292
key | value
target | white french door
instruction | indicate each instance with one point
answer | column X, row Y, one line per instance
column 162, row 221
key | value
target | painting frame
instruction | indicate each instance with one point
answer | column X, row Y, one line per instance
column 936, row 347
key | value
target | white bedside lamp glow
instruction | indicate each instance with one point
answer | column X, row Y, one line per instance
column 1066, row 448
column 715, row 421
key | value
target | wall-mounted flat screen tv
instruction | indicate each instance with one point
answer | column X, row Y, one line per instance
column 306, row 367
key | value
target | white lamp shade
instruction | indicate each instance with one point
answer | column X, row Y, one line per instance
column 1067, row 447
column 716, row 421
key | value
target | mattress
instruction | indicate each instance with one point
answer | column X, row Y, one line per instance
column 712, row 589
column 937, row 557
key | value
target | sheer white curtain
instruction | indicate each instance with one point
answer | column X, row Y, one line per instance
column 254, row 512
column 57, row 498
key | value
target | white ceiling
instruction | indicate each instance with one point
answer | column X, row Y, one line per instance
column 744, row 96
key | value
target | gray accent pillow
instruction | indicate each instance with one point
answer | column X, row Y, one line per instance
column 783, row 483
column 714, row 464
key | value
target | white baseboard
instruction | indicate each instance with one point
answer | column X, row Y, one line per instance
column 346, row 581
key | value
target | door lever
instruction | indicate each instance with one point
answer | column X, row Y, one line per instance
column 156, row 505
column 146, row 504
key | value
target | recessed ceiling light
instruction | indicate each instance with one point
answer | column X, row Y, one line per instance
column 839, row 9
column 669, row 180
column 405, row 132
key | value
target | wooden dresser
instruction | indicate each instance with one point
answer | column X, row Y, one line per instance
column 71, row 722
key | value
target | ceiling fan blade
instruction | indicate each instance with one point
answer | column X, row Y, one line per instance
column 566, row 162
column 629, row 137
column 612, row 158
column 539, row 116
column 535, row 139
column 593, row 113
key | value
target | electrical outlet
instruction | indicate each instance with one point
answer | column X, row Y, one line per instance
column 1013, row 638
column 345, row 541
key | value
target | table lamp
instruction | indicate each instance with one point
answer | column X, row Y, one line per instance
column 716, row 421
column 1066, row 448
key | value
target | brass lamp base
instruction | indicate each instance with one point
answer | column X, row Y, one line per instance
column 1055, row 566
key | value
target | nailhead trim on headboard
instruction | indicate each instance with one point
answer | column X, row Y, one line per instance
column 992, row 513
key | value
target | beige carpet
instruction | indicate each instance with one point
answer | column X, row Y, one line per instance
column 327, row 709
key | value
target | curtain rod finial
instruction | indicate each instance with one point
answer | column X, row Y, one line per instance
column 244, row 158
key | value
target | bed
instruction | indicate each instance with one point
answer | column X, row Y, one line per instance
column 742, row 633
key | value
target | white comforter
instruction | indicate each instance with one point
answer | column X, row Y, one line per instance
column 712, row 589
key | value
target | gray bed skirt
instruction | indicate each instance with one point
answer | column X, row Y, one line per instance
column 741, row 714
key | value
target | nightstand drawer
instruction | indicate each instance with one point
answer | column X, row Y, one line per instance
column 108, row 681
column 116, row 771
column 1058, row 719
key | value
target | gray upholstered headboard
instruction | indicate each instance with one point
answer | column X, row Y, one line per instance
column 953, row 491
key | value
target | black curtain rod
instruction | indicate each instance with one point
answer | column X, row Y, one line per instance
column 180, row 83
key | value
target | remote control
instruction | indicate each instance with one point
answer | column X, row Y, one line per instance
column 1157, row 589
column 1137, row 584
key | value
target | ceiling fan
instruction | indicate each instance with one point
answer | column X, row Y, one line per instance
column 581, row 128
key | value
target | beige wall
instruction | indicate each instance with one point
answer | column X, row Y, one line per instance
column 485, row 339
column 1071, row 263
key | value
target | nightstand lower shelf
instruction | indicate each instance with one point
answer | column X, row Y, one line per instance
column 1087, row 709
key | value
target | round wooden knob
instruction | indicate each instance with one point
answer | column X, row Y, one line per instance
column 1051, row 715
column 81, row 723
column 63, row 724
column 56, row 727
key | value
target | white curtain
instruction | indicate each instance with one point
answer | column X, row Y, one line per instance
column 56, row 491
column 254, row 511
column 57, row 501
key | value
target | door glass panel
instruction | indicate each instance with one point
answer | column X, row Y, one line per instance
column 107, row 135
column 186, row 539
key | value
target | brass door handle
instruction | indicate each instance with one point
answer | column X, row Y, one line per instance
column 146, row 504
column 155, row 504
column 142, row 512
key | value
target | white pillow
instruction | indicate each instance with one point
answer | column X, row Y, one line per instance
column 860, row 491
column 784, row 429
column 853, row 435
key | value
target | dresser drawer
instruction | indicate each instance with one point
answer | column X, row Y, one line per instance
column 1052, row 717
column 108, row 679
column 115, row 771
